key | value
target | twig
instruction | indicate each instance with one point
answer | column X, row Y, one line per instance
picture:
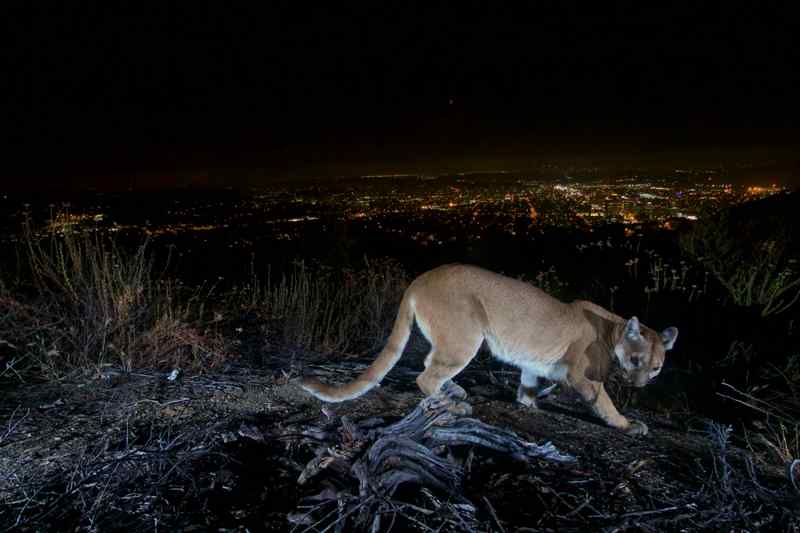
column 345, row 515
column 181, row 400
column 579, row 508
column 691, row 506
column 308, row 513
column 399, row 507
column 772, row 411
column 494, row 514
column 12, row 425
column 792, row 477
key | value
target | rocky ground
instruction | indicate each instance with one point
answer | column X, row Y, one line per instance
column 224, row 451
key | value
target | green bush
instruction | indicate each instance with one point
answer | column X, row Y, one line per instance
column 754, row 269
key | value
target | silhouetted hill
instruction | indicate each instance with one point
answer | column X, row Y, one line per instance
column 769, row 217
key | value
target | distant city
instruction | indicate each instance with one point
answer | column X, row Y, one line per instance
column 426, row 209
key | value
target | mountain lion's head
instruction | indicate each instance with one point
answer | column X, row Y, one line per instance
column 640, row 351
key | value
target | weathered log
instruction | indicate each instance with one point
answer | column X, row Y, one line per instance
column 379, row 460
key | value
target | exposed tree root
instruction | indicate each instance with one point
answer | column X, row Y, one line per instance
column 367, row 465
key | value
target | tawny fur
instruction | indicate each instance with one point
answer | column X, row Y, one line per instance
column 458, row 307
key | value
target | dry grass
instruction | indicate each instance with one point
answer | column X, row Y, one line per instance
column 775, row 434
column 88, row 303
column 100, row 483
column 323, row 310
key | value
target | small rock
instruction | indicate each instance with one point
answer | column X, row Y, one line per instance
column 56, row 403
column 249, row 431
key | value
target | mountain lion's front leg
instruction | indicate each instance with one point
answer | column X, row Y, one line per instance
column 594, row 393
column 528, row 388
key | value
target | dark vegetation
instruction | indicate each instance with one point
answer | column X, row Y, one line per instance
column 94, row 435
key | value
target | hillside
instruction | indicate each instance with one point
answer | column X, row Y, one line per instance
column 224, row 451
column 130, row 401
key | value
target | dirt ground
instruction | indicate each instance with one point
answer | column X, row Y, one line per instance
column 138, row 452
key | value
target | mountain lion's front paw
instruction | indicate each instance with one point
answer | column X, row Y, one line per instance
column 636, row 428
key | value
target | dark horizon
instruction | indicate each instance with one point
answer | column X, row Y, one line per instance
column 101, row 95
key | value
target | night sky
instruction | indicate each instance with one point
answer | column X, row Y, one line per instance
column 97, row 94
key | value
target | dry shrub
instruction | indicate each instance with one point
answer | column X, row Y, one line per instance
column 780, row 402
column 173, row 343
column 775, row 434
column 91, row 303
column 325, row 310
column 18, row 325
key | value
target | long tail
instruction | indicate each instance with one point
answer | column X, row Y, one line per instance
column 373, row 375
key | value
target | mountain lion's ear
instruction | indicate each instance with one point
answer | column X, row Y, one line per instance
column 632, row 329
column 668, row 337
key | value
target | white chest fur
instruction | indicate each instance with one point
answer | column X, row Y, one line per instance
column 546, row 366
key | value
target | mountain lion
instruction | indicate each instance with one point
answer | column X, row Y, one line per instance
column 458, row 307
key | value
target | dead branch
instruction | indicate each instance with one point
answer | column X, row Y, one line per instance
column 373, row 463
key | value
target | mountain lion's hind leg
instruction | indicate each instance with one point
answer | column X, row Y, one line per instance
column 453, row 390
column 436, row 375
column 448, row 387
column 443, row 363
column 437, row 379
